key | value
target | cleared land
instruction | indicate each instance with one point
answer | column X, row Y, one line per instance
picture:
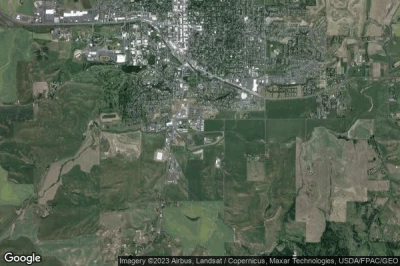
column 345, row 17
column 329, row 173
column 40, row 87
column 362, row 129
column 127, row 144
column 377, row 185
column 380, row 14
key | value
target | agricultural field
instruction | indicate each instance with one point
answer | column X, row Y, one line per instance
column 362, row 129
column 11, row 193
column 198, row 223
column 296, row 108
column 12, row 7
column 76, row 5
column 272, row 129
column 338, row 164
column 16, row 45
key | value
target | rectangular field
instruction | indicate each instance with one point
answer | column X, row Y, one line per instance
column 296, row 108
column 16, row 46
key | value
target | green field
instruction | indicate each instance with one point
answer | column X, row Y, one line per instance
column 13, row 194
column 213, row 125
column 250, row 130
column 123, row 180
column 198, row 223
column 396, row 29
column 66, row 251
column 296, row 108
column 284, row 130
column 12, row 7
column 76, row 5
column 16, row 46
column 361, row 129
column 24, row 245
column 42, row 36
column 393, row 49
column 204, row 179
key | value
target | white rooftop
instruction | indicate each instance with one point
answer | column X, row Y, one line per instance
column 74, row 13
column 121, row 58
column 50, row 11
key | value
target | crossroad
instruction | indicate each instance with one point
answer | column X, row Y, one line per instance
column 10, row 22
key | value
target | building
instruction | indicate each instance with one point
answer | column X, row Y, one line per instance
column 121, row 58
column 74, row 13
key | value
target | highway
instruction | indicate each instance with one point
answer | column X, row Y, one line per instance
column 10, row 22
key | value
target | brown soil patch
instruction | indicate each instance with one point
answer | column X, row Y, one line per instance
column 111, row 220
column 378, row 185
column 382, row 9
column 374, row 48
column 86, row 157
column 376, row 70
column 373, row 30
column 129, row 144
column 40, row 87
column 50, row 185
column 329, row 173
column 345, row 17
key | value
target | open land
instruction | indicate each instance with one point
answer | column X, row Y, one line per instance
column 16, row 45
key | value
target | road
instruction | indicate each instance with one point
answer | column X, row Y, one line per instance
column 12, row 22
column 181, row 58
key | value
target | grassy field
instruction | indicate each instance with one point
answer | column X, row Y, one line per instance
column 7, row 214
column 296, row 108
column 235, row 149
column 42, row 36
column 396, row 29
column 250, row 130
column 66, row 251
column 13, row 194
column 11, row 7
column 24, row 245
column 213, row 125
column 393, row 48
column 26, row 227
column 337, row 125
column 362, row 129
column 283, row 130
column 16, row 46
column 204, row 179
column 123, row 181
column 197, row 223
column 76, row 5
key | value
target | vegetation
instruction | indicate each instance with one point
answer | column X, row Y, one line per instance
column 13, row 194
column 198, row 223
column 16, row 46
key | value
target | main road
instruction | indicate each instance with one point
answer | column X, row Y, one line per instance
column 10, row 22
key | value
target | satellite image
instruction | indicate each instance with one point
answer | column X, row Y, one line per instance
column 198, row 128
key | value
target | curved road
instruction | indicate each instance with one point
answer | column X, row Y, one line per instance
column 10, row 22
